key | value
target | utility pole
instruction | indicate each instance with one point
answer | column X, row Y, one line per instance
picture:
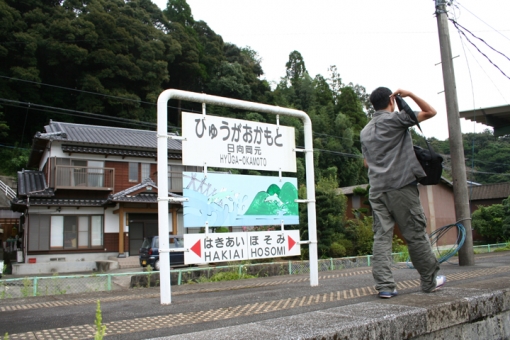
column 460, row 189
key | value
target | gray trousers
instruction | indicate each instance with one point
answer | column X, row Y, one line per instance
column 403, row 207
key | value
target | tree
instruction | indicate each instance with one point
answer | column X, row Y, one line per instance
column 296, row 69
column 335, row 83
column 330, row 211
column 4, row 128
column 179, row 11
column 100, row 56
column 350, row 105
column 488, row 222
column 230, row 82
column 506, row 220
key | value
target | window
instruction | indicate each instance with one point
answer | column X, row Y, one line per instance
column 175, row 175
column 95, row 173
column 76, row 232
column 80, row 173
column 133, row 172
column 146, row 171
column 39, row 232
column 356, row 201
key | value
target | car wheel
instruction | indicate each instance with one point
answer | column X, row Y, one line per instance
column 156, row 265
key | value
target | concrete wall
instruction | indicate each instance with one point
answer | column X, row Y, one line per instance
column 475, row 311
column 65, row 263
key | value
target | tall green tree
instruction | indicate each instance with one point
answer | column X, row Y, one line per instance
column 296, row 69
column 330, row 211
column 100, row 56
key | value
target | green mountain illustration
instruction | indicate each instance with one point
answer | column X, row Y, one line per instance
column 275, row 201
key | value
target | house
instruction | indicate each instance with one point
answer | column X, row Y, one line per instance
column 92, row 195
column 437, row 202
column 488, row 194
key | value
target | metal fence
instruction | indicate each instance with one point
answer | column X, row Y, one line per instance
column 489, row 248
column 71, row 284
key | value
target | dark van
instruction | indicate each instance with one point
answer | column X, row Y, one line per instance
column 149, row 252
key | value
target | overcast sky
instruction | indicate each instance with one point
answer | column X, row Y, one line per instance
column 392, row 43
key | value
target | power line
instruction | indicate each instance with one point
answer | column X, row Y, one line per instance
column 486, row 74
column 504, row 36
column 13, row 147
column 89, row 92
column 67, row 41
column 459, row 29
column 455, row 23
column 481, row 172
column 351, row 155
column 76, row 113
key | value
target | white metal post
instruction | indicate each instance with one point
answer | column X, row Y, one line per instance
column 164, row 258
column 162, row 133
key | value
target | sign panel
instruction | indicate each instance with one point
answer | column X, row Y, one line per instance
column 224, row 247
column 238, row 144
column 225, row 200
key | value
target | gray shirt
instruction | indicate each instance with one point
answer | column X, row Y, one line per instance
column 388, row 149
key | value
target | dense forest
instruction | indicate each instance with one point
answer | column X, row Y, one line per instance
column 105, row 62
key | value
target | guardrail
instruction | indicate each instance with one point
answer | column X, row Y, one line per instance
column 71, row 284
column 11, row 194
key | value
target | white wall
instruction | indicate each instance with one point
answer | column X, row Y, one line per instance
column 111, row 220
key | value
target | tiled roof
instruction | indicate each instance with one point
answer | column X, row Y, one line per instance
column 100, row 139
column 143, row 197
column 143, row 184
column 116, row 152
column 489, row 191
column 140, row 198
column 33, row 183
column 67, row 202
column 104, row 135
column 21, row 204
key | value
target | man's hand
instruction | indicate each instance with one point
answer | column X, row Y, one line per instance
column 402, row 93
column 426, row 112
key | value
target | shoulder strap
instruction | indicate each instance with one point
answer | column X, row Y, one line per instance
column 402, row 106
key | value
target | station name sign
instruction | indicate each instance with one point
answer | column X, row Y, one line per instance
column 225, row 247
column 239, row 144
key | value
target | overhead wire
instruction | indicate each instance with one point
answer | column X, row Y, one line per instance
column 460, row 30
column 504, row 36
column 473, row 96
column 84, row 91
column 76, row 113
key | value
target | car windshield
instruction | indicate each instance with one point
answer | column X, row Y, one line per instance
column 146, row 243
column 174, row 242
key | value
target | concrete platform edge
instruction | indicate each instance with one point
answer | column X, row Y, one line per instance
column 479, row 312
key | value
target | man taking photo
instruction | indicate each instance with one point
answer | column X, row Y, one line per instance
column 393, row 171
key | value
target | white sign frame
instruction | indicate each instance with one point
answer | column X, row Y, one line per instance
column 238, row 144
column 164, row 198
column 226, row 247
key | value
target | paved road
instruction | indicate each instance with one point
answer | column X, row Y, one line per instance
column 138, row 314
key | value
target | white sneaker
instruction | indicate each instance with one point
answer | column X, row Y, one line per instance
column 440, row 281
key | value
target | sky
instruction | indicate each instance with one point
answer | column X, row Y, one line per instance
column 392, row 43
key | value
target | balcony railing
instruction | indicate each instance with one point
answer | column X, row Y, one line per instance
column 77, row 177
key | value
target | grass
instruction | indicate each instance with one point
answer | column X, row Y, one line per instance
column 230, row 275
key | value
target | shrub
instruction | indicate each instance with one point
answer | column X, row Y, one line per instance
column 337, row 250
